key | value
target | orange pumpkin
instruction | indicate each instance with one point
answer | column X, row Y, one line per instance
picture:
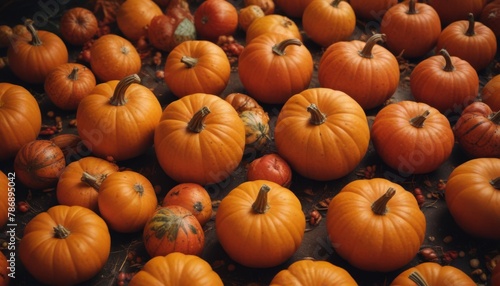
column 274, row 67
column 490, row 93
column 450, row 12
column 7, row 201
column 20, row 119
column 473, row 197
column 200, row 139
column 192, row 197
column 248, row 14
column 347, row 63
column 431, row 273
column 377, row 207
column 266, row 5
column 215, row 18
column 371, row 10
column 260, row 224
column 274, row 23
column 118, row 118
column 134, row 16
column 197, row 67
column 242, row 102
column 78, row 25
column 330, row 129
column 292, row 8
column 4, row 272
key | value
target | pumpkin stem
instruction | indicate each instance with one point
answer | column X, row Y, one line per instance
column 118, row 97
column 317, row 117
column 260, row 205
column 74, row 74
column 417, row 279
column 366, row 52
column 91, row 180
column 470, row 30
column 139, row 189
column 496, row 183
column 279, row 49
column 495, row 117
column 380, row 205
column 336, row 3
column 418, row 121
column 196, row 123
column 412, row 10
column 61, row 232
column 189, row 61
column 35, row 39
column 449, row 65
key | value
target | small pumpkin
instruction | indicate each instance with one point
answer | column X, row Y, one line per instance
column 5, row 36
column 274, row 67
column 134, row 16
column 197, row 67
column 386, row 211
column 69, row 235
column 193, row 197
column 71, row 145
column 20, row 119
column 248, row 14
column 444, row 82
column 490, row 93
column 473, row 196
column 271, row 167
column 39, row 163
column 490, row 16
column 431, row 273
column 308, row 272
column 477, row 131
column 79, row 182
column 292, row 8
column 371, row 10
column 67, row 84
column 257, row 130
column 242, row 102
column 266, row 5
column 274, row 23
column 7, row 185
column 215, row 18
column 176, row 269
column 173, row 229
column 118, row 118
column 260, row 224
column 412, row 137
column 469, row 40
column 450, row 12
column 78, row 25
column 329, row 127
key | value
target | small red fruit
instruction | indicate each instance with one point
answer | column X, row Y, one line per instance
column 270, row 167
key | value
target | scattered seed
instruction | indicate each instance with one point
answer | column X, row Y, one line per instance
column 448, row 239
column 474, row 263
column 50, row 114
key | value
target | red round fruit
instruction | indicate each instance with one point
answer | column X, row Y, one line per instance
column 214, row 18
column 270, row 167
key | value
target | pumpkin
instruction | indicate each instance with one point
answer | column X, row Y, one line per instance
column 113, row 58
column 271, row 167
column 490, row 93
column 118, row 118
column 7, row 201
column 200, row 139
column 403, row 24
column 308, row 272
column 450, row 12
column 473, row 196
column 20, row 119
column 274, row 23
column 70, row 235
column 79, row 182
column 444, row 82
column 5, row 36
column 469, row 40
column 173, row 229
column 31, row 59
column 5, row 270
column 260, row 224
column 71, row 145
column 347, row 63
column 67, row 84
column 431, row 273
column 248, row 14
column 477, row 131
column 266, row 5
column 274, row 67
column 257, row 130
column 78, row 25
column 337, row 15
column 134, row 16
column 215, row 18
column 192, row 197
column 371, row 10
column 176, row 269
column 412, row 137
column 292, row 8
column 490, row 16
column 242, row 102
column 126, row 201
column 197, row 67
column 39, row 163
column 379, row 217
column 328, row 127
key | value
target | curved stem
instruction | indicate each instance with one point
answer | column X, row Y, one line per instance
column 470, row 30
column 196, row 123
column 336, row 3
column 379, row 207
column 260, row 205
column 118, row 97
column 74, row 74
column 412, row 10
column 139, row 189
column 495, row 117
column 449, row 65
column 91, row 180
column 366, row 52
column 417, row 279
column 35, row 39
column 496, row 183
column 189, row 61
column 61, row 232
column 317, row 117
column 418, row 121
column 279, row 49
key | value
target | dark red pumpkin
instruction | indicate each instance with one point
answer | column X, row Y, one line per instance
column 214, row 18
column 78, row 25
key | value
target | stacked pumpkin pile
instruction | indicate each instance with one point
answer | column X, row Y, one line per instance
column 199, row 138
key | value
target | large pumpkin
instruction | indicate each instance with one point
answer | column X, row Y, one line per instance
column 473, row 197
column 322, row 133
column 118, row 118
column 176, row 269
column 200, row 139
column 65, row 245
column 260, row 224
column 378, row 217
column 431, row 273
column 20, row 119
